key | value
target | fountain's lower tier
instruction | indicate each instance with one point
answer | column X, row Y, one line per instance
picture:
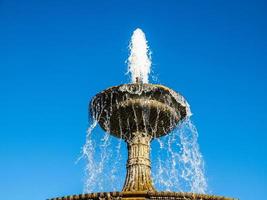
column 143, row 196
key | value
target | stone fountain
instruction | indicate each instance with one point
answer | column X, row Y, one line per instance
column 138, row 113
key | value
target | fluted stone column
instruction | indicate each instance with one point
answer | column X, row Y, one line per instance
column 138, row 177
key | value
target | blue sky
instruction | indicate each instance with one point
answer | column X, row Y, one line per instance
column 55, row 55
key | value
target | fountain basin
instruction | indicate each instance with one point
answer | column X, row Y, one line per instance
column 143, row 196
column 125, row 109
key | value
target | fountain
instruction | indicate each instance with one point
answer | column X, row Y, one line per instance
column 138, row 113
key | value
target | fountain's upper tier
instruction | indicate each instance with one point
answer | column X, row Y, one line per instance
column 145, row 108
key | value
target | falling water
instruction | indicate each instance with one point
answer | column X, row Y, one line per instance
column 88, row 151
column 178, row 163
column 103, row 155
column 139, row 61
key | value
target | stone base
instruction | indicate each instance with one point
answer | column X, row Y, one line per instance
column 142, row 196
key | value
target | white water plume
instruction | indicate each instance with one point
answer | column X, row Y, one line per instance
column 139, row 61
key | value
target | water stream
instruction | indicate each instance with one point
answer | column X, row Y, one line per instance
column 177, row 162
column 105, row 160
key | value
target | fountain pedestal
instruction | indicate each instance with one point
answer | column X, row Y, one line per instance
column 138, row 177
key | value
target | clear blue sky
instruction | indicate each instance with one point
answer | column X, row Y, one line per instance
column 55, row 55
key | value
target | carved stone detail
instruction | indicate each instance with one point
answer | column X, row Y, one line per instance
column 138, row 177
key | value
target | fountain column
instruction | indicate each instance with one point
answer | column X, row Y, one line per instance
column 138, row 177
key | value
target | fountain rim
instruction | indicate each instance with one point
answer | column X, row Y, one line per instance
column 142, row 194
column 176, row 95
column 139, row 94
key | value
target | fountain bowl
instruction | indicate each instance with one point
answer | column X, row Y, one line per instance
column 143, row 196
column 129, row 108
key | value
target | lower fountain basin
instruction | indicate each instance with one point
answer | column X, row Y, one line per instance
column 126, row 109
column 143, row 196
